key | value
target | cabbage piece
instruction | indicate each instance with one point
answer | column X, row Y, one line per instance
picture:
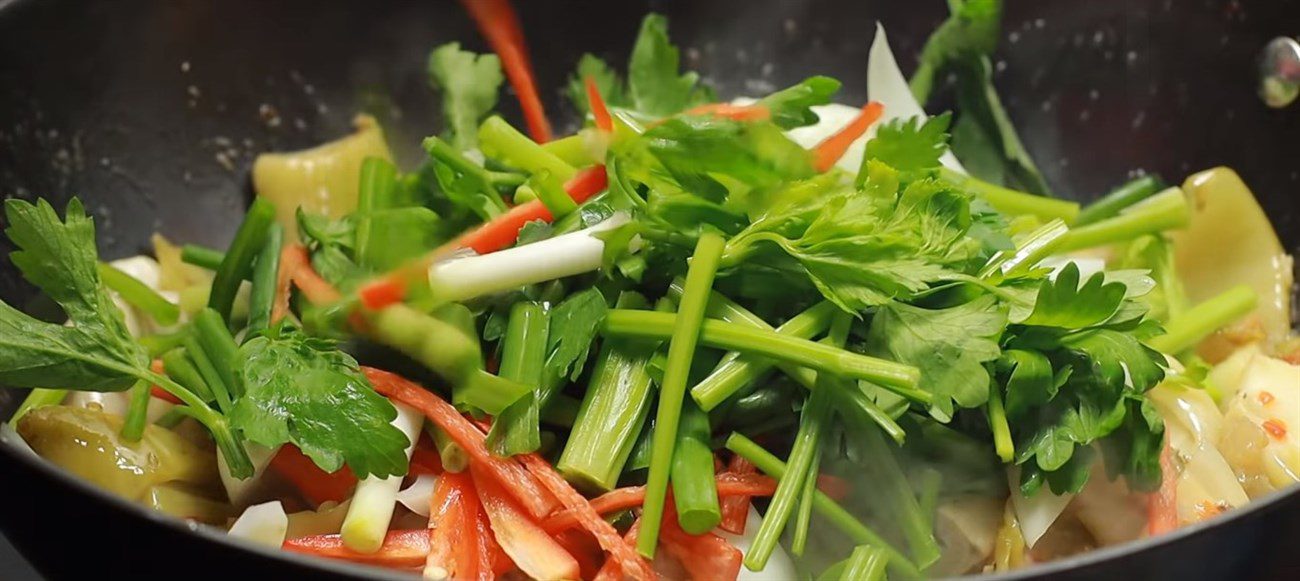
column 264, row 524
column 1269, row 397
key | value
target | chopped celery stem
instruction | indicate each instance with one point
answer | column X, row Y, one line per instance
column 1186, row 330
column 829, row 509
column 454, row 459
column 499, row 140
column 208, row 372
column 178, row 367
column 551, row 191
column 683, row 331
column 899, row 378
column 572, row 150
column 136, row 412
column 220, row 348
column 1012, row 202
column 1001, row 429
column 517, row 430
column 139, row 295
column 38, row 398
column 866, row 563
column 265, row 274
column 1118, row 199
column 1165, row 211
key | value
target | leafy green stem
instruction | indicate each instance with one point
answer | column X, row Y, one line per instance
column 1164, row 211
column 1012, row 202
column 1186, row 330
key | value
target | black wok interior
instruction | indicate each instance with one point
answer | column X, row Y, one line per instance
column 152, row 112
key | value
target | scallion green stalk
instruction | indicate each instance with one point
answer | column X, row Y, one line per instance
column 208, row 371
column 38, row 397
column 220, row 348
column 454, row 459
column 683, row 332
column 202, row 256
column 499, row 140
column 137, row 412
column 1165, row 211
column 139, row 295
column 695, row 487
column 997, row 414
column 517, row 430
column 1118, row 199
column 266, row 272
column 237, row 264
column 178, row 366
column 550, row 190
column 1012, row 202
column 161, row 343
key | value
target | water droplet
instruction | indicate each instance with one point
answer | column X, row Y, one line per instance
column 1013, row 37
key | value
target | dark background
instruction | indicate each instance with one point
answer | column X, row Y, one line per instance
column 152, row 112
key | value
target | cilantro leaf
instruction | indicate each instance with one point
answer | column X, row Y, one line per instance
column 792, row 107
column 612, row 88
column 574, row 325
column 1029, row 381
column 95, row 352
column 654, row 84
column 469, row 83
column 949, row 346
column 908, row 146
column 758, row 154
column 307, row 392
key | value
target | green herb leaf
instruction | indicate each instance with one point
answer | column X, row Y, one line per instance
column 654, row 83
column 792, row 107
column 95, row 352
column 909, row 146
column 469, row 83
column 307, row 392
column 574, row 325
column 1063, row 303
column 949, row 346
column 611, row 86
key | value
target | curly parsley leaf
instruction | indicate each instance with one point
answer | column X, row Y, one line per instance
column 307, row 392
column 469, row 83
column 655, row 86
column 94, row 352
column 950, row 346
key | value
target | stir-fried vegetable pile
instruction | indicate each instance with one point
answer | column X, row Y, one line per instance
column 608, row 343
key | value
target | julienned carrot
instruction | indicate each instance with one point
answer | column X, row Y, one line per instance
column 453, row 543
column 533, row 550
column 620, row 551
column 706, row 556
column 1162, row 508
column 293, row 257
column 316, row 485
column 492, row 236
column 498, row 22
column 426, row 461
column 154, row 391
column 729, row 486
column 401, row 549
column 755, row 112
column 832, row 148
column 532, row 496
column 611, row 571
column 735, row 509
column 503, row 230
column 585, row 549
column 599, row 111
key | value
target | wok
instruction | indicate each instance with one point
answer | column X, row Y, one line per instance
column 153, row 111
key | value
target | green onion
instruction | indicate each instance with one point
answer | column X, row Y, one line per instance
column 161, row 343
column 139, row 295
column 1034, row 247
column 206, row 369
column 1186, row 330
column 683, row 331
column 38, row 398
column 454, row 459
column 1164, row 211
column 220, row 348
column 896, row 377
column 695, row 486
column 266, row 273
column 612, row 413
column 866, row 563
column 1014, row 203
column 137, row 412
column 1002, row 443
column 177, row 365
column 550, row 190
column 1120, row 198
column 517, row 430
column 499, row 140
column 829, row 509
column 202, row 256
column 237, row 265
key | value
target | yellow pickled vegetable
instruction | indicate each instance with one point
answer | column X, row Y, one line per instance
column 181, row 502
column 1269, row 397
column 1230, row 242
column 86, row 442
column 323, row 179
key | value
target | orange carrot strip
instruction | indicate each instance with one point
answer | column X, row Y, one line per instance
column 498, row 22
column 316, row 485
column 401, row 549
column 735, row 509
column 523, row 486
column 611, row 571
column 706, row 556
column 755, row 112
column 156, row 366
column 599, row 110
column 832, row 148
column 626, row 556
column 453, row 546
column 531, row 549
column 292, row 257
column 426, row 461
column 585, row 549
column 503, row 230
column 729, row 486
column 1162, row 508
